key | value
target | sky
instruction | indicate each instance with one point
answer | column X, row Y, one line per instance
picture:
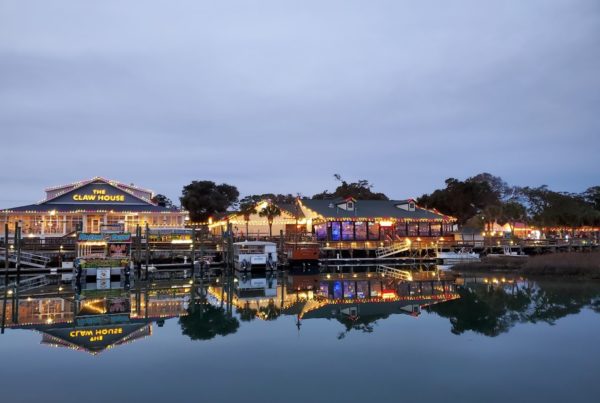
column 277, row 96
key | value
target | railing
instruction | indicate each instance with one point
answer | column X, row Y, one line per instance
column 28, row 283
column 395, row 273
column 393, row 249
column 26, row 258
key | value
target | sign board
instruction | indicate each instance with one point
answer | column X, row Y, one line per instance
column 90, row 237
column 258, row 282
column 258, row 259
column 103, row 274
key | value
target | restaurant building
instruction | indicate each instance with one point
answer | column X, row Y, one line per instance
column 90, row 205
column 345, row 220
column 351, row 220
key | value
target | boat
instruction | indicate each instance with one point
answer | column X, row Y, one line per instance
column 254, row 256
column 507, row 252
column 298, row 252
column 461, row 256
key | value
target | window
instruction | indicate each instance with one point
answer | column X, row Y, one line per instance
column 424, row 228
column 360, row 231
column 349, row 289
column 323, row 290
column 336, row 229
column 375, row 289
column 401, row 229
column 321, row 232
column 347, row 231
column 413, row 229
column 362, row 289
column 436, row 229
column 337, row 290
column 373, row 231
column 350, row 206
column 411, row 206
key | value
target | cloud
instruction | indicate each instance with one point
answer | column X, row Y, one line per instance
column 278, row 96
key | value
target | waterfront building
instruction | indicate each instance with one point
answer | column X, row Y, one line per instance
column 344, row 220
column 90, row 205
column 254, row 225
column 349, row 220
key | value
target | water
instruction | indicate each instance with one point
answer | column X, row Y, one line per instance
column 475, row 339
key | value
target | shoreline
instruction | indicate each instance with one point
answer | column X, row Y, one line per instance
column 585, row 265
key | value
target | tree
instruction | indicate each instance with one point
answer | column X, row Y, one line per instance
column 247, row 208
column 162, row 201
column 205, row 321
column 360, row 190
column 592, row 196
column 203, row 199
column 270, row 211
column 497, row 184
column 548, row 208
column 512, row 212
column 462, row 200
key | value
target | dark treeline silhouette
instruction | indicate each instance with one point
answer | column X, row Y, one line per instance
column 492, row 310
column 476, row 201
column 485, row 199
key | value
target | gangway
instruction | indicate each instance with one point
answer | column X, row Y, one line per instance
column 395, row 273
column 27, row 259
column 28, row 284
column 393, row 249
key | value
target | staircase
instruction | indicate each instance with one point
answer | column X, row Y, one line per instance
column 27, row 259
column 28, row 283
column 395, row 248
column 395, row 273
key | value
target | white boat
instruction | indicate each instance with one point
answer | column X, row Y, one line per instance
column 255, row 255
column 457, row 257
column 507, row 252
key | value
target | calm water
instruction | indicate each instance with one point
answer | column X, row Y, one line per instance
column 307, row 338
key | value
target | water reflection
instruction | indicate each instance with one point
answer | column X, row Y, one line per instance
column 492, row 307
column 356, row 298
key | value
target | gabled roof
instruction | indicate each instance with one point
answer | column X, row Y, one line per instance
column 94, row 195
column 330, row 209
column 66, row 189
column 82, row 208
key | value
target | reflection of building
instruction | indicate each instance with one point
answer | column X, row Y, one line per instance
column 301, row 294
column 98, row 320
column 89, row 205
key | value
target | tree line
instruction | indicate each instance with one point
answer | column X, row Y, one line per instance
column 477, row 201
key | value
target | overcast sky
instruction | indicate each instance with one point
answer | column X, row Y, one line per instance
column 277, row 96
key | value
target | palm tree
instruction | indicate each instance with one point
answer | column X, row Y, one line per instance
column 270, row 211
column 247, row 209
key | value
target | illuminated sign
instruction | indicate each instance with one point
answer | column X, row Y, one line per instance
column 95, row 334
column 98, row 195
column 90, row 237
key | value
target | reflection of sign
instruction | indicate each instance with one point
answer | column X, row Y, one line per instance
column 118, row 305
column 103, row 274
column 258, row 282
column 103, row 284
column 98, row 195
column 95, row 334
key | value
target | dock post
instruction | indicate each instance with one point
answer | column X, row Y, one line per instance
column 193, row 252
column 6, row 266
column 147, row 250
column 18, row 251
column 229, row 248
